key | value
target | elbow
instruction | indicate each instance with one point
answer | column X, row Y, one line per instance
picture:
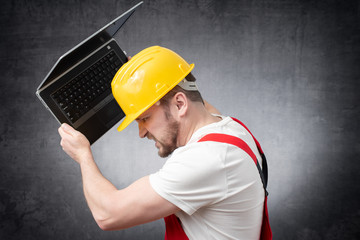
column 105, row 224
column 102, row 222
column 110, row 222
column 113, row 215
column 108, row 217
column 102, row 218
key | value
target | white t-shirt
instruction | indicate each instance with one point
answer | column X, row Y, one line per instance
column 216, row 185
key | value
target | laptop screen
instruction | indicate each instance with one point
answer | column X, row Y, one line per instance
column 83, row 49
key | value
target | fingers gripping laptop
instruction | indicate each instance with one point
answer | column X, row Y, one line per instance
column 77, row 90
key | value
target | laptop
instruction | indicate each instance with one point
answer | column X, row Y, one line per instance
column 77, row 90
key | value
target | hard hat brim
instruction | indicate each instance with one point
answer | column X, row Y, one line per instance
column 127, row 120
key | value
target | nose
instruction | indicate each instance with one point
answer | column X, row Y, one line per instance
column 142, row 130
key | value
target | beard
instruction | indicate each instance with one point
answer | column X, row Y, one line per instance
column 168, row 143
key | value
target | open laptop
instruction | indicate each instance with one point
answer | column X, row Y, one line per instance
column 77, row 90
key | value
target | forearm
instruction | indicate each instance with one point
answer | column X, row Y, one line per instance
column 98, row 190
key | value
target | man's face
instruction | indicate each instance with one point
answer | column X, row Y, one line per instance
column 158, row 124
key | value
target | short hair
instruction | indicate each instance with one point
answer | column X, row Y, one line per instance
column 194, row 96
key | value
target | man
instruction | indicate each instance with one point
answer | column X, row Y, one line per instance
column 212, row 187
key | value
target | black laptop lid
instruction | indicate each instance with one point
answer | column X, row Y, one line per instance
column 87, row 46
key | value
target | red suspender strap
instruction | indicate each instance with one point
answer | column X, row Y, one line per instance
column 223, row 138
column 229, row 139
column 256, row 141
column 266, row 233
column 264, row 171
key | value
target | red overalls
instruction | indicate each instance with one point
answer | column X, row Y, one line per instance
column 174, row 230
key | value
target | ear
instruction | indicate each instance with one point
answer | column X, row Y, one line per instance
column 180, row 102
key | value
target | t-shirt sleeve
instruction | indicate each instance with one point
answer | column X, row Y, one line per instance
column 194, row 176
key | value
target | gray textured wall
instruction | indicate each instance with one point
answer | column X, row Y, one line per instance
column 288, row 69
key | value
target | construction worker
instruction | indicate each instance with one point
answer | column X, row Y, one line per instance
column 207, row 189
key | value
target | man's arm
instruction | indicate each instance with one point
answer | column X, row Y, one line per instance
column 112, row 208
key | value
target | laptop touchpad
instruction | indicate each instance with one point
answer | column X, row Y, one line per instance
column 108, row 114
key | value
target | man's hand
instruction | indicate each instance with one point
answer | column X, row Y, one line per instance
column 74, row 143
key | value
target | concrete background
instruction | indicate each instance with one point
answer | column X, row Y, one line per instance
column 288, row 69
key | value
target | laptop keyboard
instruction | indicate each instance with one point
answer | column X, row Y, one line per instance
column 87, row 89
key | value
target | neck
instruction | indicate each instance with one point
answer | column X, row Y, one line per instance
column 196, row 118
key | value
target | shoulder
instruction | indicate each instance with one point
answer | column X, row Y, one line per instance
column 226, row 126
column 197, row 158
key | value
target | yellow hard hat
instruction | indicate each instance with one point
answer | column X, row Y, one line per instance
column 145, row 79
